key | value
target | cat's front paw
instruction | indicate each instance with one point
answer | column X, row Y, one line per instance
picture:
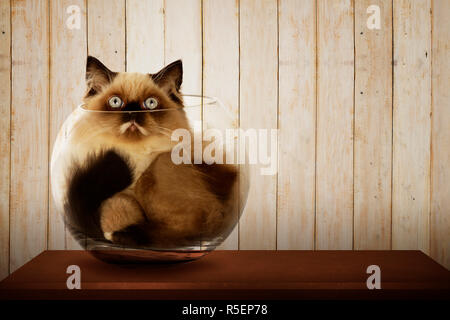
column 119, row 212
column 108, row 235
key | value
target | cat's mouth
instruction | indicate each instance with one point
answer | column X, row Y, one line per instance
column 132, row 127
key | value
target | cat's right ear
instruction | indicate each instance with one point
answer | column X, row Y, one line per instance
column 98, row 76
column 169, row 79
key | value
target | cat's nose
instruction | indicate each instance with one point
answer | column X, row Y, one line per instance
column 132, row 106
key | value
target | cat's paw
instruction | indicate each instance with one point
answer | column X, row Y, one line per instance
column 119, row 212
column 108, row 235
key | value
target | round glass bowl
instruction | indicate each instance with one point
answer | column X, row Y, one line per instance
column 160, row 185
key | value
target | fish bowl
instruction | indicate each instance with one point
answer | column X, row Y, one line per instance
column 150, row 186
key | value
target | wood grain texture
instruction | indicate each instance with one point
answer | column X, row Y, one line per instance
column 221, row 66
column 412, row 125
column 258, row 110
column 297, row 124
column 440, row 166
column 5, row 141
column 68, row 49
column 183, row 40
column 29, row 131
column 106, row 32
column 334, row 181
column 373, row 128
column 145, row 35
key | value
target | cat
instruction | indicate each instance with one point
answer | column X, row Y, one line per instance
column 122, row 185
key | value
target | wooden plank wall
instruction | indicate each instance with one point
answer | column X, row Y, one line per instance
column 29, row 130
column 297, row 125
column 440, row 143
column 373, row 129
column 5, row 141
column 183, row 40
column 335, row 107
column 68, row 47
column 145, row 49
column 411, row 125
column 363, row 114
column 258, row 109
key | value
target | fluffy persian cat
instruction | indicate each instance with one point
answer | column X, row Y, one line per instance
column 122, row 185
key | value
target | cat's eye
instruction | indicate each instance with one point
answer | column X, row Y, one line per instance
column 115, row 102
column 150, row 103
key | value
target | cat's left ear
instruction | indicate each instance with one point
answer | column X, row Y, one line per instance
column 98, row 76
column 170, row 79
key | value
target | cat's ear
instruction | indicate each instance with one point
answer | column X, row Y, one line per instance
column 98, row 76
column 170, row 78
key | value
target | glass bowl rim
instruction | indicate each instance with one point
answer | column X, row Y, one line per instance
column 202, row 101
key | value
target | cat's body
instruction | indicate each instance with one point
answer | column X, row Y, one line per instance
column 121, row 183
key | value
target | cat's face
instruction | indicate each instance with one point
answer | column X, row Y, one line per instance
column 135, row 106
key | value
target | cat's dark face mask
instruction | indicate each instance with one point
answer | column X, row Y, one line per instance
column 135, row 105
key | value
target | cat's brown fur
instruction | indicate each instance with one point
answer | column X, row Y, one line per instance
column 166, row 204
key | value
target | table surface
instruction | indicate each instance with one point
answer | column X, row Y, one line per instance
column 234, row 275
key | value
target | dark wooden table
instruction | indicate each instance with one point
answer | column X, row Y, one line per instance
column 235, row 275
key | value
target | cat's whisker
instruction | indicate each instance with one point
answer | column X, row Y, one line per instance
column 164, row 133
column 163, row 128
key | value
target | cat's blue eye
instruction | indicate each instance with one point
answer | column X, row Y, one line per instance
column 150, row 103
column 115, row 102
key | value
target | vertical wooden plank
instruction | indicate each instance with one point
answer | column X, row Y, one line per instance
column 5, row 143
column 297, row 130
column 440, row 169
column 221, row 65
column 106, row 32
column 412, row 125
column 183, row 40
column 29, row 131
column 145, row 35
column 373, row 128
column 334, row 181
column 258, row 110
column 68, row 48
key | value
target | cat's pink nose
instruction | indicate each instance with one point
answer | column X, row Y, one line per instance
column 133, row 127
